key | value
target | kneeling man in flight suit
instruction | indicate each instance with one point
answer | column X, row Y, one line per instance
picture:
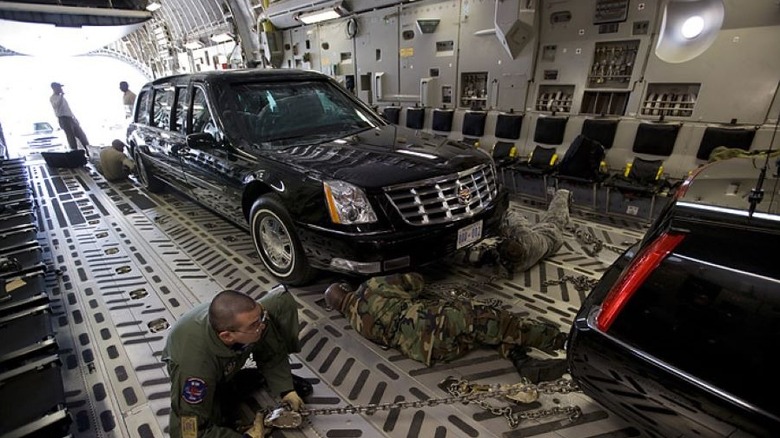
column 206, row 350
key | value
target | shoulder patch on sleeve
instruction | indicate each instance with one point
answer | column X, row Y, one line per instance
column 194, row 390
column 189, row 427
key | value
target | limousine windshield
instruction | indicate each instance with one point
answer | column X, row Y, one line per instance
column 282, row 114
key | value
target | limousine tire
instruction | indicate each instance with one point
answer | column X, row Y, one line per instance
column 148, row 180
column 277, row 242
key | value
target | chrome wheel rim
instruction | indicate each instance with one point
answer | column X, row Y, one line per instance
column 275, row 242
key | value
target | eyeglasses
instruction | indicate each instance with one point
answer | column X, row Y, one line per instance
column 256, row 326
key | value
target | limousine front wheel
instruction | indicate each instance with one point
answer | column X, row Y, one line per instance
column 277, row 243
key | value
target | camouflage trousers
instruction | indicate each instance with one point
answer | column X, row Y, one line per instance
column 395, row 311
column 524, row 245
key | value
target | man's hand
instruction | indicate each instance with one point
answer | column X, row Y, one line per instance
column 294, row 400
column 258, row 429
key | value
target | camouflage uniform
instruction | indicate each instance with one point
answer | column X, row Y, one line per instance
column 394, row 311
column 523, row 245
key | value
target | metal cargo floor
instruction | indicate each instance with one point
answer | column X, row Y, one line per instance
column 127, row 263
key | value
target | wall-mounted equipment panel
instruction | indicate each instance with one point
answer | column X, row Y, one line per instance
column 508, row 71
column 304, row 48
column 604, row 102
column 432, row 53
column 337, row 58
column 613, row 64
column 555, row 98
column 670, row 100
column 376, row 45
column 595, row 46
column 610, row 11
column 474, row 90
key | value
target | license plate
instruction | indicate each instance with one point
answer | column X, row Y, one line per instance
column 469, row 234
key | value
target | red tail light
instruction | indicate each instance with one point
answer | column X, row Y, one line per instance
column 633, row 276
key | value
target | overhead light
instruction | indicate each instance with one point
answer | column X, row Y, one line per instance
column 193, row 45
column 688, row 29
column 692, row 27
column 153, row 5
column 223, row 37
column 329, row 13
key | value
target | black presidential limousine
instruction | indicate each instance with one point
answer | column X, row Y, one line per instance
column 319, row 179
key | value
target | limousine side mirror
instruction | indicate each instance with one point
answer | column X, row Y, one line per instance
column 201, row 140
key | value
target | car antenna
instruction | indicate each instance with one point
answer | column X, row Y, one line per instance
column 757, row 193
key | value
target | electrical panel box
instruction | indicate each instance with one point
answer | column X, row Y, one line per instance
column 670, row 100
column 474, row 90
column 555, row 98
column 613, row 64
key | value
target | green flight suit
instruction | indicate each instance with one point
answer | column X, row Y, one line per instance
column 394, row 311
column 201, row 365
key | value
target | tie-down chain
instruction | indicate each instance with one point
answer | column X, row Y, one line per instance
column 461, row 391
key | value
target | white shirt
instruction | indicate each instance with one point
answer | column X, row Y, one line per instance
column 60, row 105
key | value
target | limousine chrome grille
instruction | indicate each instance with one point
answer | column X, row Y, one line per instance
column 447, row 198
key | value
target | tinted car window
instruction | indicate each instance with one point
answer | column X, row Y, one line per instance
column 180, row 114
column 701, row 313
column 201, row 116
column 285, row 112
column 161, row 114
column 142, row 116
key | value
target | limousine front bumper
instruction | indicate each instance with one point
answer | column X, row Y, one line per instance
column 385, row 252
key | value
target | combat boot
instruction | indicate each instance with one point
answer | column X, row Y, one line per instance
column 302, row 386
column 537, row 370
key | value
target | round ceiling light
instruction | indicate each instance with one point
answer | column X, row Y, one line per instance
column 692, row 27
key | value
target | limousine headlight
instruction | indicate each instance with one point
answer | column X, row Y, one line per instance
column 347, row 204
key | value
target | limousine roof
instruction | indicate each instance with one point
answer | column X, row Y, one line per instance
column 243, row 74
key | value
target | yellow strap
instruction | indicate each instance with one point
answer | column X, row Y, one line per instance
column 660, row 172
column 513, row 152
column 627, row 170
column 553, row 159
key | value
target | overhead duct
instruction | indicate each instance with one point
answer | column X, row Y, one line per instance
column 54, row 30
column 512, row 26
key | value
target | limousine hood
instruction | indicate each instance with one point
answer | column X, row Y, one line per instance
column 385, row 156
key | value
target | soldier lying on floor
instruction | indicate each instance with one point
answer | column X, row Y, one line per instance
column 395, row 311
column 522, row 245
